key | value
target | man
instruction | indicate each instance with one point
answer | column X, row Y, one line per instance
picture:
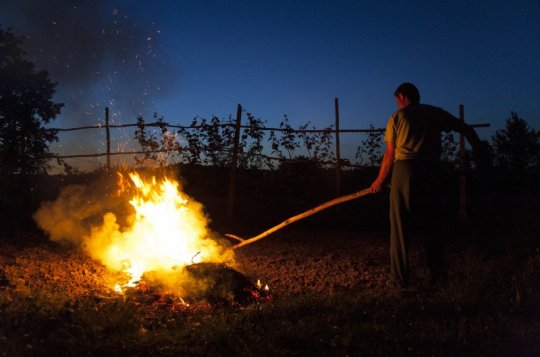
column 413, row 148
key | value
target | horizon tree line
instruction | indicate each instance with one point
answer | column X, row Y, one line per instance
column 26, row 107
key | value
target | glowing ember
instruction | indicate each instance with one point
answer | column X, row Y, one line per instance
column 166, row 231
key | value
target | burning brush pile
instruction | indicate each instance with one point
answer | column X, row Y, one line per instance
column 152, row 238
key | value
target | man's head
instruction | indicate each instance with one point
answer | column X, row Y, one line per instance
column 406, row 94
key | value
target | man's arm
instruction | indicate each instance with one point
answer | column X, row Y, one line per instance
column 386, row 167
column 460, row 126
column 480, row 149
column 471, row 135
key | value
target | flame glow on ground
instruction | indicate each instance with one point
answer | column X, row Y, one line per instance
column 166, row 232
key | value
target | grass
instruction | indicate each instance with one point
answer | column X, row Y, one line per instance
column 488, row 307
column 346, row 324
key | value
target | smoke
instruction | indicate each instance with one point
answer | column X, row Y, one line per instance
column 65, row 219
column 136, row 227
column 78, row 208
column 101, row 55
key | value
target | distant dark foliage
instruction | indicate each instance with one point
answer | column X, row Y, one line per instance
column 517, row 146
column 370, row 149
column 157, row 148
column 25, row 107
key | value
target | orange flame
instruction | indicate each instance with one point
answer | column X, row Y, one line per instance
column 167, row 231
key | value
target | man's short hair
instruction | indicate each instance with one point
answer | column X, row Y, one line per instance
column 410, row 91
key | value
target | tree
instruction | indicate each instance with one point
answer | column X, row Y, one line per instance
column 517, row 146
column 370, row 147
column 25, row 107
column 159, row 147
column 448, row 147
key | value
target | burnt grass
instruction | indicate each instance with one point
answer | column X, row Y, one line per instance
column 327, row 277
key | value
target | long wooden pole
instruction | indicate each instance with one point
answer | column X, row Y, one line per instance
column 108, row 138
column 462, row 214
column 234, row 166
column 335, row 201
column 338, row 151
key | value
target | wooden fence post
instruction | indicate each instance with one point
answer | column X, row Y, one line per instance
column 234, row 166
column 108, row 138
column 338, row 153
column 462, row 212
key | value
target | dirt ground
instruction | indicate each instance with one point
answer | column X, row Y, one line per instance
column 289, row 262
column 49, row 293
column 294, row 261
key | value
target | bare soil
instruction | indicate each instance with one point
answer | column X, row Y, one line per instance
column 55, row 299
column 290, row 262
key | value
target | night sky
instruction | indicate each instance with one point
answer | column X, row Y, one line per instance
column 183, row 59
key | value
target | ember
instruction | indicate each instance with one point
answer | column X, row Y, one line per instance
column 213, row 283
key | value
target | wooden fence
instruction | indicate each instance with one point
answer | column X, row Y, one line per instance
column 236, row 148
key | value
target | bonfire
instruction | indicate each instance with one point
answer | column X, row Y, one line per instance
column 163, row 243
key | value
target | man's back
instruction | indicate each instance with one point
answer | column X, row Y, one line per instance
column 416, row 131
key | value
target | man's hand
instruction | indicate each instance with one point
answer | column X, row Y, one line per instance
column 376, row 186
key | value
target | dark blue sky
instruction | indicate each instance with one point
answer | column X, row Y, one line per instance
column 183, row 59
